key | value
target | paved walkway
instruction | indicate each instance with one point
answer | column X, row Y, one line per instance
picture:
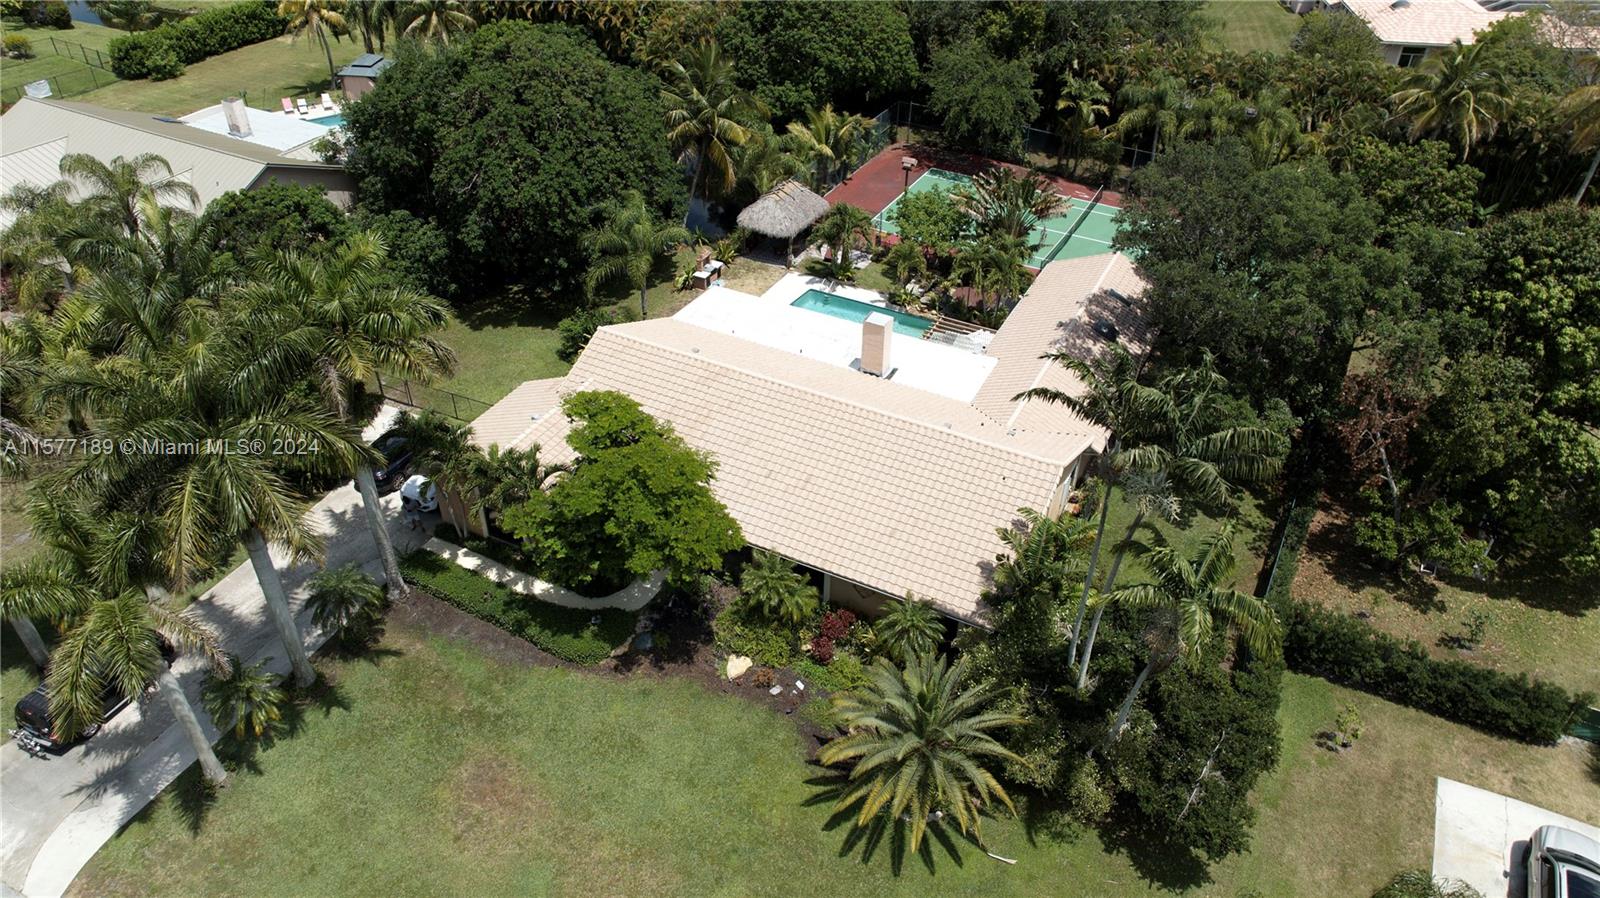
column 632, row 597
column 56, row 812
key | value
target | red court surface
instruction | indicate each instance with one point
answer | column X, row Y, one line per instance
column 876, row 184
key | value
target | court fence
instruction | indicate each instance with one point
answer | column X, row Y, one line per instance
column 95, row 73
column 446, row 402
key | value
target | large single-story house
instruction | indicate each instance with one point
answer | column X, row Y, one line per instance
column 35, row 134
column 1412, row 29
column 856, row 440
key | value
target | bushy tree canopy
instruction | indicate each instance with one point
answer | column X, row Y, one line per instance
column 985, row 102
column 278, row 216
column 507, row 141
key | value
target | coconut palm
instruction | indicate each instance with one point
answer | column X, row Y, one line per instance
column 770, row 585
column 1581, row 109
column 1004, row 202
column 372, row 18
column 767, row 160
column 1080, row 103
column 1112, row 399
column 831, row 140
column 246, row 700
column 628, row 245
column 333, row 313
column 1461, row 92
column 111, row 192
column 708, row 114
column 433, row 20
column 918, row 741
column 345, row 600
column 843, row 227
column 1198, row 602
column 908, row 628
column 319, row 18
column 1155, row 106
column 118, row 642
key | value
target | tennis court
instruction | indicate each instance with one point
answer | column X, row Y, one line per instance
column 1086, row 228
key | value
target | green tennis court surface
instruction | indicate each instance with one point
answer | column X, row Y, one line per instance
column 1096, row 223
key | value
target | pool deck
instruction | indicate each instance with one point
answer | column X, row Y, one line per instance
column 875, row 185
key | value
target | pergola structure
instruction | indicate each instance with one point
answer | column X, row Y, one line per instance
column 783, row 212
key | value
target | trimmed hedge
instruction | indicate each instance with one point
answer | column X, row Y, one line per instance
column 566, row 633
column 163, row 51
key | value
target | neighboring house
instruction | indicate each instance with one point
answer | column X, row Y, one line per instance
column 35, row 134
column 1411, row 29
column 882, row 484
column 361, row 75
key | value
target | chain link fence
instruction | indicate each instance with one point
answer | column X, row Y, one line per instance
column 95, row 73
column 446, row 402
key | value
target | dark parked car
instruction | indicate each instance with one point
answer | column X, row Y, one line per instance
column 33, row 718
column 396, row 453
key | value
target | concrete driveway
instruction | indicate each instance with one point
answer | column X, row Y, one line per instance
column 1479, row 837
column 56, row 812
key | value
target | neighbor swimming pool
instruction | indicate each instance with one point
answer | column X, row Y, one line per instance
column 838, row 306
column 332, row 121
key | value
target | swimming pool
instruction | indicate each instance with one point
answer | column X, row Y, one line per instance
column 332, row 121
column 837, row 306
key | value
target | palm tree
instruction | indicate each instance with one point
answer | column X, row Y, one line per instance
column 1155, row 106
column 628, row 246
column 346, row 601
column 372, row 18
column 1271, row 129
column 1080, row 103
column 247, row 700
column 1010, row 204
column 908, row 629
column 118, row 643
column 333, row 313
column 708, row 114
column 918, row 741
column 843, row 227
column 319, row 18
column 1217, row 114
column 1111, row 399
column 33, row 268
column 507, row 478
column 1581, row 108
column 831, row 140
column 771, row 585
column 1461, row 91
column 995, row 265
column 31, row 590
column 111, row 191
column 767, row 160
column 433, row 20
column 1044, row 553
column 1195, row 594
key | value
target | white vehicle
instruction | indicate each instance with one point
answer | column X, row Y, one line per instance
column 419, row 492
column 1563, row 864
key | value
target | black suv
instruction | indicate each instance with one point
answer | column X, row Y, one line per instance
column 396, row 452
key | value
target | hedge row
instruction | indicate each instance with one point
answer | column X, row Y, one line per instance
column 568, row 633
column 162, row 52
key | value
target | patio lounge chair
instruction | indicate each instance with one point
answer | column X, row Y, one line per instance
column 300, row 103
column 327, row 102
column 288, row 106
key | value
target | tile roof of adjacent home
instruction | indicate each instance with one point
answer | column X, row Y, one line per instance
column 886, row 485
column 1423, row 23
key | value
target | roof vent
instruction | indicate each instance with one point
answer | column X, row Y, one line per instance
column 1118, row 295
column 1105, row 329
column 877, row 335
column 238, row 116
column 1400, row 4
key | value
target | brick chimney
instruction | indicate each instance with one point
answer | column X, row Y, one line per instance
column 876, row 334
column 238, row 116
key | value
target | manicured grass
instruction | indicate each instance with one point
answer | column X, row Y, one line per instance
column 432, row 770
column 1546, row 629
column 1252, row 530
column 263, row 72
column 60, row 62
column 1245, row 26
column 18, row 676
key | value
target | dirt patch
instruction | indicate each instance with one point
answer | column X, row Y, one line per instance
column 490, row 799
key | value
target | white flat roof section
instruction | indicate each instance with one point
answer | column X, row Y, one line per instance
column 1479, row 836
column 267, row 129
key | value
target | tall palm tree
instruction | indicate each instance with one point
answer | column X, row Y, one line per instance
column 918, row 740
column 34, row 272
column 1004, row 202
column 1581, row 109
column 843, row 227
column 320, row 19
column 1155, row 106
column 995, row 265
column 111, row 192
column 1176, row 454
column 1081, row 102
column 628, row 245
column 831, row 140
column 333, row 313
column 708, row 114
column 1112, row 399
column 1461, row 92
column 1199, row 604
column 433, row 20
column 771, row 585
column 767, row 160
column 909, row 629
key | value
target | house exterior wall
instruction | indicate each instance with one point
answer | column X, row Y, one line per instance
column 863, row 601
column 356, row 86
column 341, row 189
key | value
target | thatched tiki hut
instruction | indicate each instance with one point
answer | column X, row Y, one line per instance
column 783, row 212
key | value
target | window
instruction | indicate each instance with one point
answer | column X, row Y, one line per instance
column 1581, row 885
column 1411, row 56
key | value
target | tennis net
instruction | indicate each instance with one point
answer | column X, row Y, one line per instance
column 1087, row 210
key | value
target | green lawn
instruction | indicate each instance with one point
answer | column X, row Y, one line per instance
column 434, row 770
column 18, row 676
column 71, row 74
column 1249, row 25
column 263, row 72
column 1252, row 531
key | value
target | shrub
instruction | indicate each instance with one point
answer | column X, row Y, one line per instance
column 821, row 650
column 836, row 624
column 146, row 54
column 844, row 673
column 49, row 14
column 419, row 252
column 17, row 46
column 1352, row 653
column 581, row 636
column 249, row 701
column 576, row 329
column 162, row 63
column 740, row 632
column 1421, row 884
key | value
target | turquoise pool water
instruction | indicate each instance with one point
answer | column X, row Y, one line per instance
column 333, row 121
column 850, row 310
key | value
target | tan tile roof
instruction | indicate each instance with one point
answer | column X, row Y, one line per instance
column 1432, row 23
column 877, row 482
